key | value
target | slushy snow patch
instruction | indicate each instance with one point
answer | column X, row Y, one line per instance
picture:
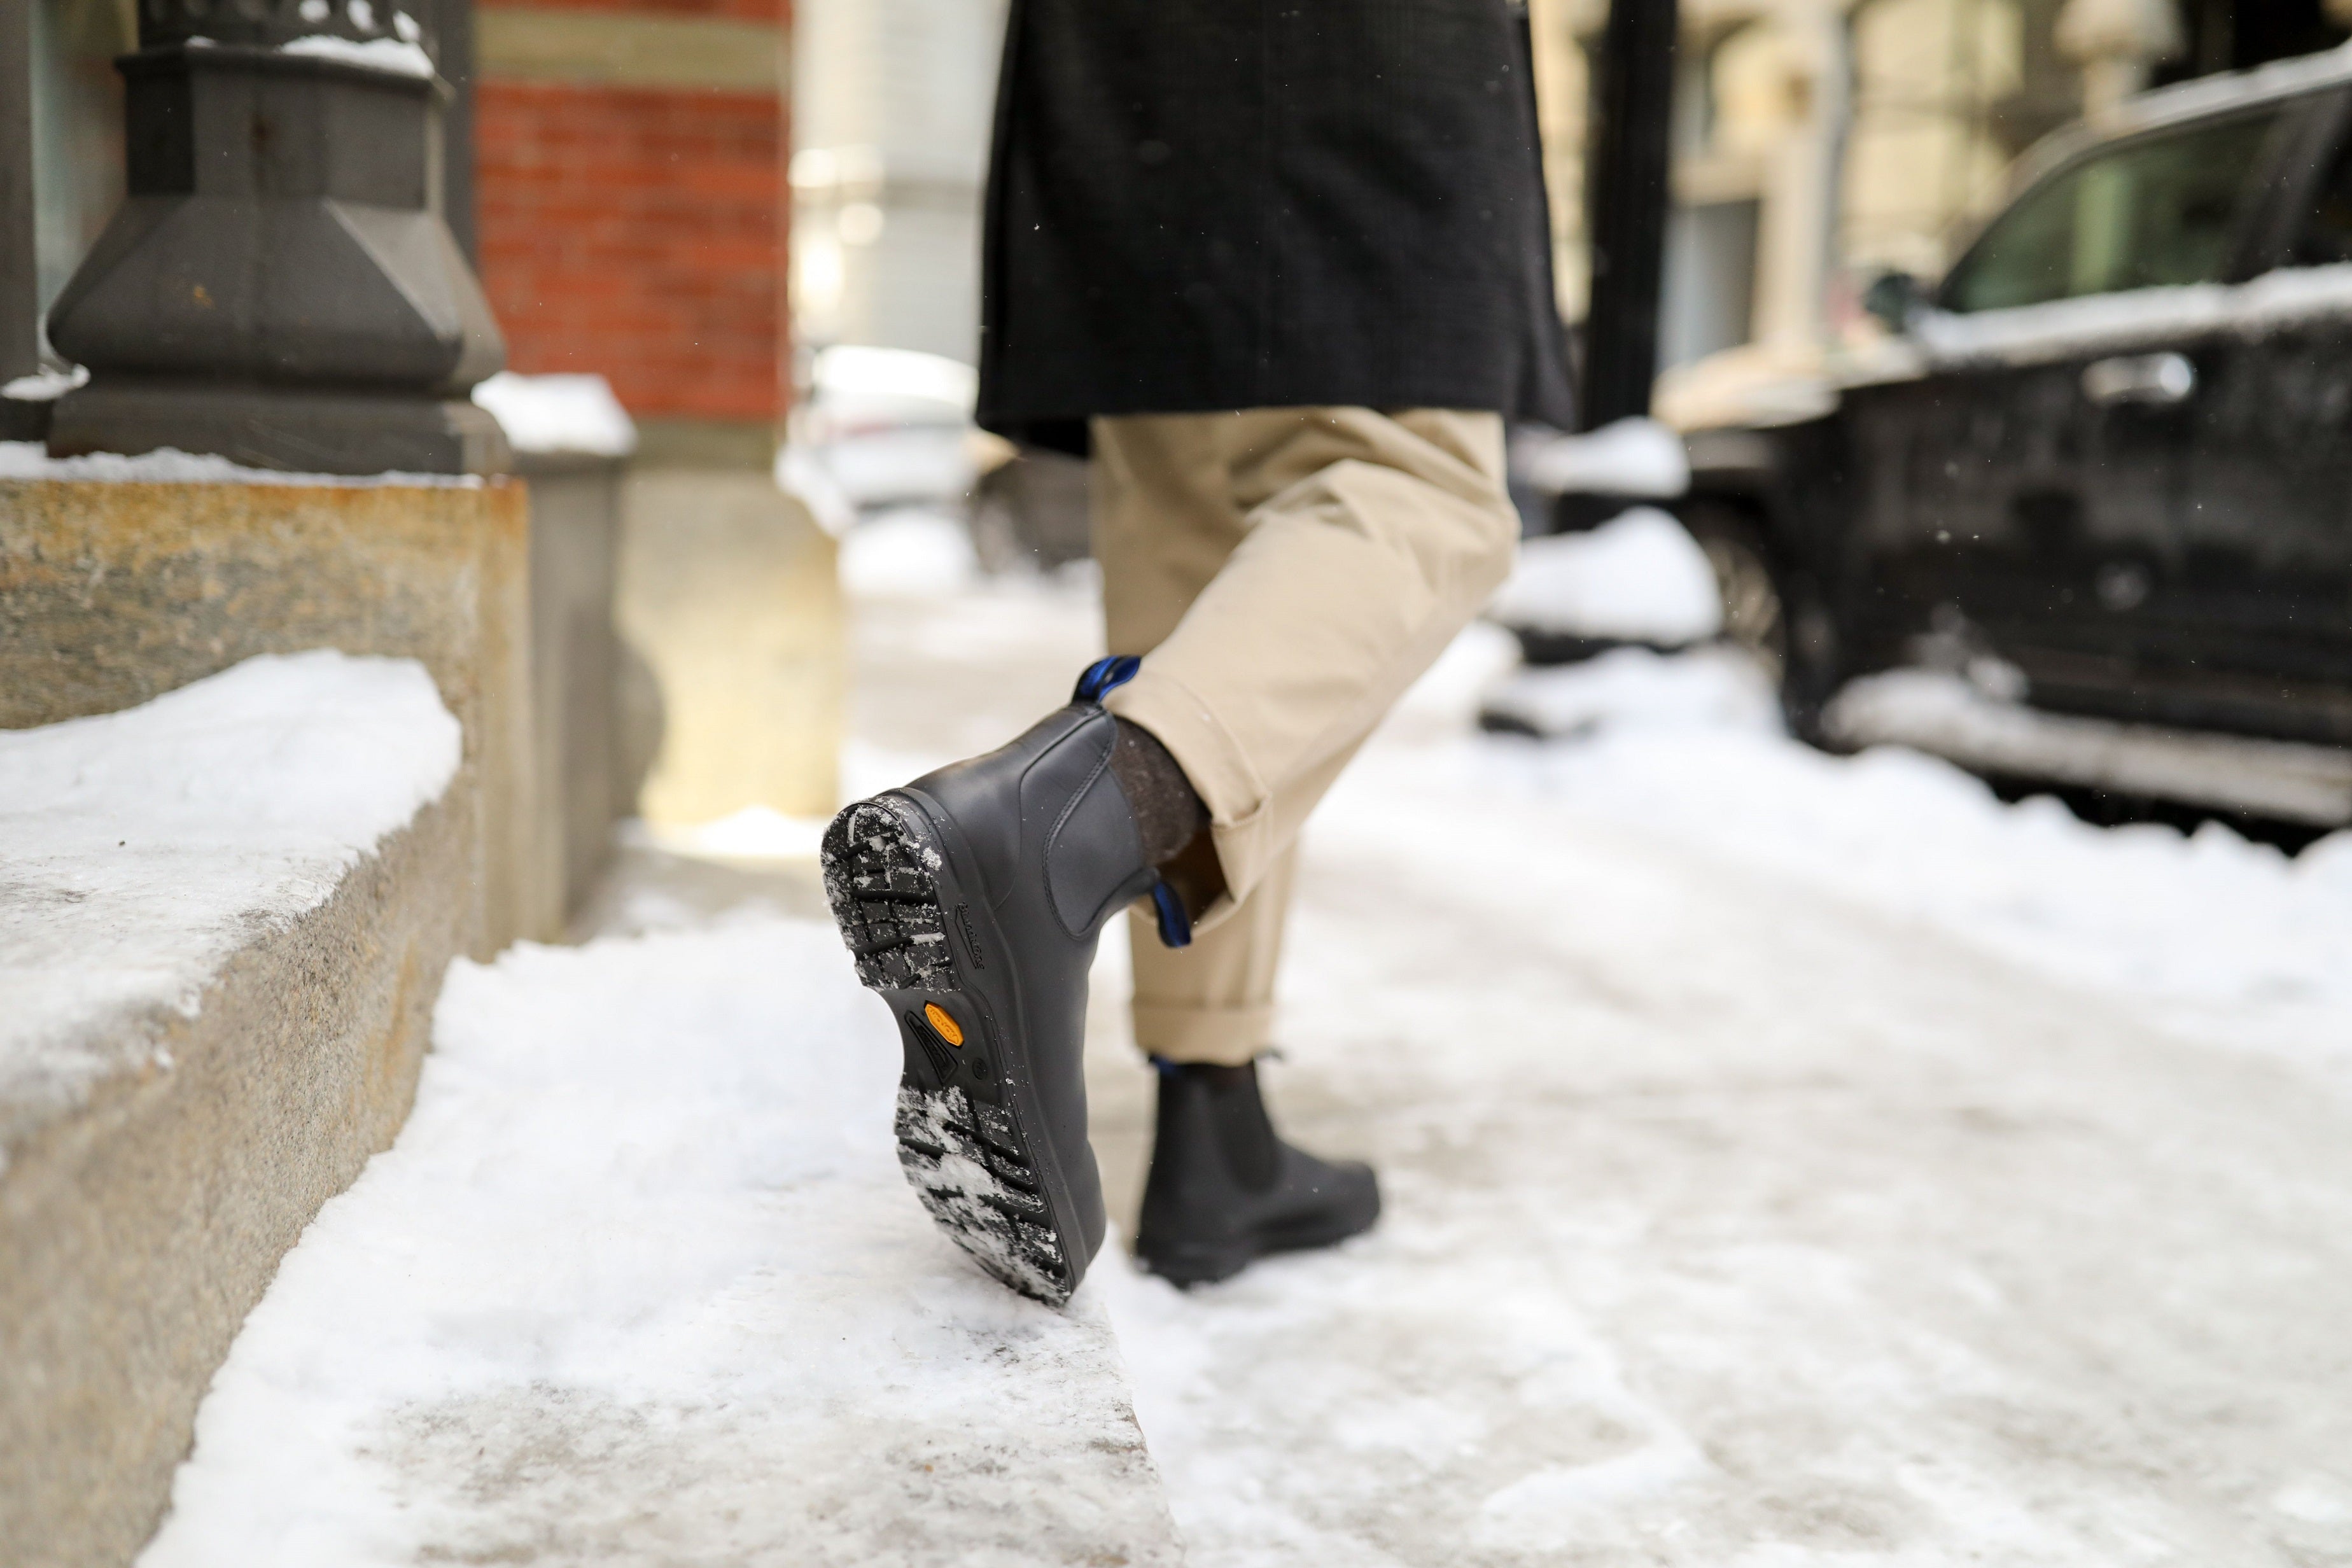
column 140, row 850
column 1630, row 457
column 1639, row 577
column 641, row 1281
column 170, row 465
column 559, row 413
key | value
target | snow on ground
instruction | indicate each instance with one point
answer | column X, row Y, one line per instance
column 2231, row 939
column 140, row 850
column 1639, row 577
column 641, row 1282
column 1788, row 1159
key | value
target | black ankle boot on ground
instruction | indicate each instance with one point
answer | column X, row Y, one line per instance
column 972, row 899
column 1225, row 1189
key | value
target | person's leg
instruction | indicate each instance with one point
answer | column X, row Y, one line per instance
column 1167, row 517
column 1366, row 541
column 971, row 898
column 1398, row 530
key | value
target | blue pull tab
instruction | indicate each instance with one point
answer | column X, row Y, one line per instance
column 1175, row 925
column 1105, row 675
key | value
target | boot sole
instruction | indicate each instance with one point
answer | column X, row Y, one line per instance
column 962, row 1102
column 1187, row 1266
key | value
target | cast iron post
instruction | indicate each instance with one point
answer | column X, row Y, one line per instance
column 281, row 285
column 20, row 345
column 1631, row 170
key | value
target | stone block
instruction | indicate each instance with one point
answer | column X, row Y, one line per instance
column 112, row 592
column 138, row 1227
column 729, row 587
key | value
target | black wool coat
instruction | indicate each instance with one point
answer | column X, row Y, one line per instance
column 1205, row 205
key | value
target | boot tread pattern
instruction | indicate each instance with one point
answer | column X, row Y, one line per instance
column 879, row 878
column 966, row 1161
column 1003, row 1226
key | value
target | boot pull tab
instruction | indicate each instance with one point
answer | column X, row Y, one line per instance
column 1175, row 924
column 1105, row 675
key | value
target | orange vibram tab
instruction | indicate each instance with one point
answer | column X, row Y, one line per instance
column 943, row 1024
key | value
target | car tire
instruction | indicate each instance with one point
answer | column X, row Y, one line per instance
column 1769, row 610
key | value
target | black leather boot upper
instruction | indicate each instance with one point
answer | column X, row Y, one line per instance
column 1225, row 1188
column 973, row 898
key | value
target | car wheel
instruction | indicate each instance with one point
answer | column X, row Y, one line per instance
column 1755, row 611
column 1766, row 612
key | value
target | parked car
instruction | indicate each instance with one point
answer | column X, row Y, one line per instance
column 2091, row 499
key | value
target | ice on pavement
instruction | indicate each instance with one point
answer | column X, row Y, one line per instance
column 1639, row 577
column 641, row 1282
column 140, row 850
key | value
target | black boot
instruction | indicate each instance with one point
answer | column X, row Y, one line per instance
column 1225, row 1189
column 972, row 899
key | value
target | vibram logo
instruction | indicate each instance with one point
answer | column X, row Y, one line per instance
column 949, row 1029
column 970, row 937
column 942, row 1061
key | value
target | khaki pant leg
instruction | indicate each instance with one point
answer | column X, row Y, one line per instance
column 1366, row 541
column 1166, row 519
column 1214, row 1001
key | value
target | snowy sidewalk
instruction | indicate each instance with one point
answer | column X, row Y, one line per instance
column 1789, row 1161
column 641, row 1283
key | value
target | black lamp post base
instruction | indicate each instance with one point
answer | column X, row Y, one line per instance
column 306, row 431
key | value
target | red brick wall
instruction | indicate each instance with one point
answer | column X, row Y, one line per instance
column 640, row 233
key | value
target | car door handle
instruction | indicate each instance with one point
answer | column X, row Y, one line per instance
column 2164, row 378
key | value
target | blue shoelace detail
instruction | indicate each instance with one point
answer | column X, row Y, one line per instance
column 1105, row 675
column 1175, row 925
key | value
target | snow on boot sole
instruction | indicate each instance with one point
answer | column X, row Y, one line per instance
column 965, row 1094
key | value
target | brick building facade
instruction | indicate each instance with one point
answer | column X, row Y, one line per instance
column 633, row 208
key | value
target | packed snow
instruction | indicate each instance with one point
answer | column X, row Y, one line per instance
column 1628, row 458
column 1710, row 689
column 140, row 850
column 641, row 1282
column 1789, row 1159
column 559, row 413
column 400, row 57
column 46, row 385
column 1639, row 577
column 170, row 465
column 1954, row 716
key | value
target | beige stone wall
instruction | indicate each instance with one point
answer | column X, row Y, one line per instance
column 729, row 588
column 111, row 593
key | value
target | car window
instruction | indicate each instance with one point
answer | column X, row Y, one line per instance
column 2161, row 209
column 2326, row 237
